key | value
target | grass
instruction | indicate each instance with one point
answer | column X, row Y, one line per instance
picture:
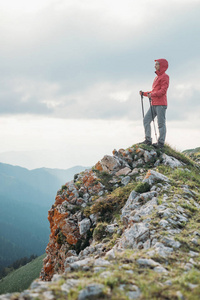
column 21, row 278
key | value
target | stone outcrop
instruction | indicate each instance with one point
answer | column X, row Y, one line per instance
column 125, row 215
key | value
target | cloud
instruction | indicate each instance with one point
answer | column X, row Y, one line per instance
column 70, row 59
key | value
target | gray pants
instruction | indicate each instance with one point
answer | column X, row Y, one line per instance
column 160, row 112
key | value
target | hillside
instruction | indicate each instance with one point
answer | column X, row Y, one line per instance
column 25, row 198
column 127, row 228
column 194, row 154
column 21, row 278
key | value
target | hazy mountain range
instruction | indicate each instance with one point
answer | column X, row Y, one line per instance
column 25, row 198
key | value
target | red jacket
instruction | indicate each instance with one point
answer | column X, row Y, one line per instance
column 160, row 84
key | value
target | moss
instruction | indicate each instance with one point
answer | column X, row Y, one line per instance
column 64, row 187
column 106, row 207
column 61, row 238
column 104, row 178
column 100, row 231
column 142, row 187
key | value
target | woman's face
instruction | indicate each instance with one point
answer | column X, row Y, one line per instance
column 157, row 66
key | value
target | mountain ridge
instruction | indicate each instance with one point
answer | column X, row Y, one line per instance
column 127, row 228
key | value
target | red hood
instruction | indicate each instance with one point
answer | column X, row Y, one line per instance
column 163, row 66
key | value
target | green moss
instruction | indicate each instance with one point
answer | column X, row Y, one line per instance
column 142, row 187
column 61, row 239
column 106, row 207
column 100, row 231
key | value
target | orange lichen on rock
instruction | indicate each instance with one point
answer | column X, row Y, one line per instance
column 89, row 179
column 71, row 239
column 98, row 166
column 56, row 220
column 148, row 174
column 59, row 200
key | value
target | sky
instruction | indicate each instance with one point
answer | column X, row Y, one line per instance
column 71, row 71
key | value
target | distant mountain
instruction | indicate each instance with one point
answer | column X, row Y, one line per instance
column 193, row 154
column 25, row 198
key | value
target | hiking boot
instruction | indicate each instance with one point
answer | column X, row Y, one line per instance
column 146, row 143
column 158, row 145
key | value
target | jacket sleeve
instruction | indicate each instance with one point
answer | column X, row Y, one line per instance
column 164, row 86
column 145, row 93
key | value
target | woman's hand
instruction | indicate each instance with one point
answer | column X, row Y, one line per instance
column 149, row 95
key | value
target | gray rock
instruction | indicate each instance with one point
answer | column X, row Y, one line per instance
column 126, row 180
column 192, row 286
column 147, row 196
column 171, row 161
column 161, row 250
column 48, row 295
column 193, row 254
column 100, row 262
column 134, row 171
column 160, row 269
column 124, row 171
column 111, row 254
column 164, row 223
column 69, row 284
column 105, row 274
column 180, row 295
column 84, row 226
column 153, row 176
column 134, row 294
column 195, row 241
column 90, row 291
column 147, row 262
column 78, row 264
column 112, row 228
column 171, row 242
column 133, row 235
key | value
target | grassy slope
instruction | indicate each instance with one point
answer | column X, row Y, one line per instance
column 21, row 278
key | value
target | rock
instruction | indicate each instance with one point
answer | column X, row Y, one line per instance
column 171, row 161
column 180, row 295
column 193, row 254
column 90, row 291
column 133, row 235
column 147, row 262
column 84, row 226
column 192, row 286
column 163, row 223
column 100, row 262
column 134, row 294
column 111, row 254
column 105, row 274
column 153, row 176
column 171, row 242
column 78, row 264
column 144, row 197
column 195, row 242
column 161, row 250
column 147, row 156
column 108, row 164
column 48, row 295
column 124, row 171
column 69, row 284
column 126, row 180
column 112, row 228
column 160, row 269
column 134, row 172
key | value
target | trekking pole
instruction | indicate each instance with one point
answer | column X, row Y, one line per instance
column 142, row 105
column 153, row 120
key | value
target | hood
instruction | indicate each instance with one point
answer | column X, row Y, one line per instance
column 163, row 66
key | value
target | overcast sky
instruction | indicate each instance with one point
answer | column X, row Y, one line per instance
column 71, row 71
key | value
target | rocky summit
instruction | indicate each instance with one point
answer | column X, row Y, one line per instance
column 128, row 228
